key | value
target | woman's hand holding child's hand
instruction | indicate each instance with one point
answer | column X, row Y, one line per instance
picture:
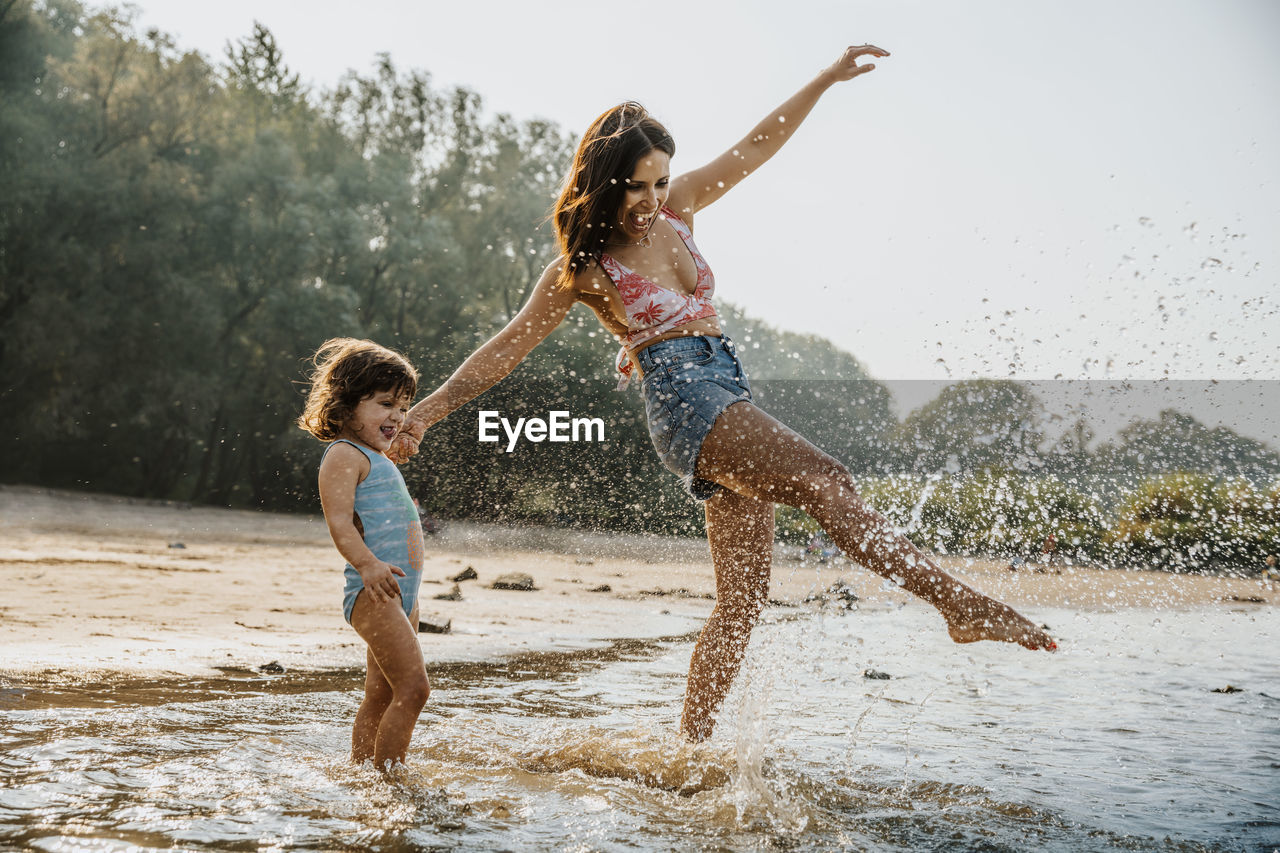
column 380, row 580
column 406, row 442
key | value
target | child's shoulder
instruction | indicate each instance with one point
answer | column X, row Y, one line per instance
column 343, row 454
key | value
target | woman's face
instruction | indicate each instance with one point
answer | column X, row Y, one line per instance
column 645, row 193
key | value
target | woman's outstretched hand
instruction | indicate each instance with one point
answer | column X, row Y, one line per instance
column 406, row 442
column 847, row 67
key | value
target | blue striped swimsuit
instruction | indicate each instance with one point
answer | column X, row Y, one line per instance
column 391, row 529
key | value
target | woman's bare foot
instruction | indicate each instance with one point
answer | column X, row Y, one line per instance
column 982, row 618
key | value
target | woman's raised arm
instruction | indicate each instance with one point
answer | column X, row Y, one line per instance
column 695, row 190
column 541, row 314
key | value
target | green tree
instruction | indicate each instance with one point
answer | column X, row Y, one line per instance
column 1178, row 442
column 1191, row 521
column 972, row 425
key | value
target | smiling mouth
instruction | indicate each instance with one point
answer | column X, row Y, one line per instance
column 388, row 432
column 640, row 222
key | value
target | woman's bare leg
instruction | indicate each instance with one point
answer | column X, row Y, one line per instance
column 740, row 531
column 755, row 454
column 393, row 646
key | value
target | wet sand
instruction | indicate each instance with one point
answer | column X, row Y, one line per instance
column 97, row 583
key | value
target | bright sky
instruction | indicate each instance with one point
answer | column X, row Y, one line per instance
column 1084, row 189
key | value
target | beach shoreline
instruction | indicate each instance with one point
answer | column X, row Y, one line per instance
column 99, row 585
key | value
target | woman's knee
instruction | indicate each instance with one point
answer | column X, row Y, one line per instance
column 744, row 605
column 832, row 486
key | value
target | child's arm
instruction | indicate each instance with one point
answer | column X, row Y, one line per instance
column 341, row 471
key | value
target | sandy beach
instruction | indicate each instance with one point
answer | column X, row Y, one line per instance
column 95, row 582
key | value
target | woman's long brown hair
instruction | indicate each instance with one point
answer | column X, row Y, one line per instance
column 604, row 162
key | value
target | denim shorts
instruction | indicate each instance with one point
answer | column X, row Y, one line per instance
column 687, row 383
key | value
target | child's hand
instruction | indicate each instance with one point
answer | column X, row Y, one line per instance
column 380, row 580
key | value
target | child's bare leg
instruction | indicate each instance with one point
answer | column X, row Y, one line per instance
column 393, row 646
column 755, row 454
column 377, row 698
column 740, row 531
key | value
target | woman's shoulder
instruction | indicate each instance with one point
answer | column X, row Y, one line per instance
column 680, row 202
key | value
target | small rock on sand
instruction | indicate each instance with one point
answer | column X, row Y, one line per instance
column 467, row 574
column 840, row 592
column 515, row 580
column 454, row 594
column 434, row 625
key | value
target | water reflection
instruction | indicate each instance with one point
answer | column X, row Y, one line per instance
column 1117, row 743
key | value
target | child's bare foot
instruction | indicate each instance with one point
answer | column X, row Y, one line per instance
column 982, row 618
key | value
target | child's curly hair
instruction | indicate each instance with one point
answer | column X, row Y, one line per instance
column 346, row 371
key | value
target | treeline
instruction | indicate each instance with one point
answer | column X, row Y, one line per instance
column 178, row 233
column 1177, row 522
column 975, row 472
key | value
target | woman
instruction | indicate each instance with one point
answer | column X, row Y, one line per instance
column 624, row 227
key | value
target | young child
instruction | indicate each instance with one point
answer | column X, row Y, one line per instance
column 359, row 395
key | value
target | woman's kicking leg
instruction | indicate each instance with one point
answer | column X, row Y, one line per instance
column 755, row 454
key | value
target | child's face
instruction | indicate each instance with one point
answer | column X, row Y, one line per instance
column 376, row 420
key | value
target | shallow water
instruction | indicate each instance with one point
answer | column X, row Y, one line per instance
column 1117, row 742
